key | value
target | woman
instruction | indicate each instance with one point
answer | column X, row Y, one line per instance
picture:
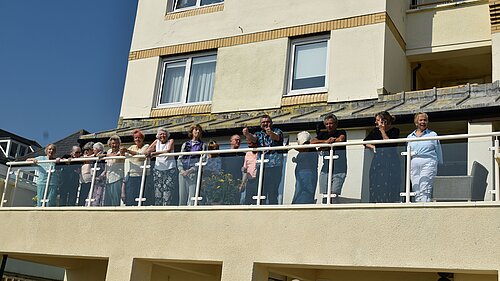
column 212, row 172
column 86, row 174
column 100, row 176
column 425, row 157
column 165, row 177
column 188, row 172
column 385, row 169
column 114, row 173
column 43, row 169
column 132, row 185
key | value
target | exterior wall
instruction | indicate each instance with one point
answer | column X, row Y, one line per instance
column 478, row 150
column 356, row 62
column 152, row 30
column 446, row 29
column 495, row 53
column 411, row 239
column 397, row 11
column 258, row 70
column 396, row 67
column 139, row 91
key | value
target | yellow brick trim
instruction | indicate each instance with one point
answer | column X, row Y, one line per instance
column 304, row 99
column 261, row 36
column 182, row 110
column 195, row 12
column 395, row 32
column 494, row 16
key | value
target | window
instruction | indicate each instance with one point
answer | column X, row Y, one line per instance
column 184, row 4
column 308, row 65
column 3, row 147
column 187, row 80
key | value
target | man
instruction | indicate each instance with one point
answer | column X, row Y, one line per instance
column 332, row 135
column 233, row 162
column 70, row 176
column 269, row 137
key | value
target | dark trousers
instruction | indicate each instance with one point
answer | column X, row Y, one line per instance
column 271, row 183
column 67, row 195
column 84, row 194
column 132, row 189
column 251, row 191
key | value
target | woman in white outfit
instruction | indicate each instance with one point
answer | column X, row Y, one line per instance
column 425, row 158
column 165, row 176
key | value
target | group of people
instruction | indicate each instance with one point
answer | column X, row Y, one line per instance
column 174, row 180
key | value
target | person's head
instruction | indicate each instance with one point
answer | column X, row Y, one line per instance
column 421, row 121
column 213, row 145
column 235, row 141
column 88, row 148
column 98, row 148
column 331, row 122
column 266, row 121
column 50, row 151
column 162, row 135
column 303, row 138
column 138, row 137
column 252, row 144
column 76, row 151
column 384, row 117
column 114, row 142
column 195, row 132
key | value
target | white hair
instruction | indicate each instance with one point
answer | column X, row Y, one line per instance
column 162, row 130
column 303, row 137
column 99, row 146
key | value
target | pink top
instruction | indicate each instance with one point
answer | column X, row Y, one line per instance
column 250, row 164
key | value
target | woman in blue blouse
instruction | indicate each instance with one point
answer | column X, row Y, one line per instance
column 425, row 157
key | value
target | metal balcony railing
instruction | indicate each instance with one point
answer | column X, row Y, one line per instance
column 213, row 186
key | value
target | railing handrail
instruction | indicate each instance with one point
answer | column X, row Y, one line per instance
column 259, row 149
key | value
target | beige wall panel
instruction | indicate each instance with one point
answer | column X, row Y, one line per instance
column 152, row 30
column 250, row 76
column 368, row 237
column 396, row 65
column 495, row 53
column 139, row 89
column 396, row 9
column 356, row 62
column 478, row 150
column 448, row 29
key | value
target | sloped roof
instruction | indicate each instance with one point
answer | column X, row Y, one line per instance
column 5, row 135
column 63, row 146
column 460, row 101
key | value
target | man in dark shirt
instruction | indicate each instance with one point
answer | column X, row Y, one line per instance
column 269, row 136
column 70, row 176
column 233, row 162
column 332, row 135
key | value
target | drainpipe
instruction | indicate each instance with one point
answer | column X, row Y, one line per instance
column 414, row 77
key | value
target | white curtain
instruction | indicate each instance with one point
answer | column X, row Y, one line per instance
column 201, row 81
column 173, row 82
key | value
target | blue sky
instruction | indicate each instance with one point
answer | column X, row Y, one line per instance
column 63, row 65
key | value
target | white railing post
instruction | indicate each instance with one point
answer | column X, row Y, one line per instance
column 17, row 173
column 89, row 198
column 331, row 158
column 46, row 190
column 4, row 193
column 407, row 194
column 197, row 197
column 262, row 160
column 496, row 191
column 144, row 167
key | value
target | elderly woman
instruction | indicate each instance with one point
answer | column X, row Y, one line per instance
column 100, row 176
column 165, row 177
column 425, row 157
column 186, row 164
column 85, row 174
column 133, row 183
column 43, row 169
column 114, row 173
column 385, row 169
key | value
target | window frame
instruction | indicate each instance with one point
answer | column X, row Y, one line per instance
column 291, row 64
column 196, row 6
column 185, row 84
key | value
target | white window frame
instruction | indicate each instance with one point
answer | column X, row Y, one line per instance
column 306, row 41
column 6, row 151
column 29, row 149
column 185, row 86
column 197, row 5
